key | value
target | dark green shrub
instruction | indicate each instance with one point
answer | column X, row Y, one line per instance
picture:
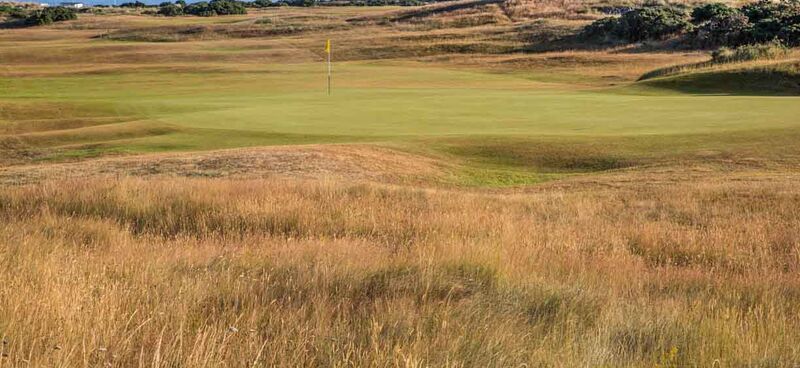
column 262, row 3
column 762, row 9
column 759, row 22
column 765, row 30
column 14, row 12
column 774, row 21
column 227, row 7
column 135, row 4
column 601, row 29
column 724, row 30
column 790, row 34
column 712, row 11
column 200, row 9
column 170, row 10
column 181, row 3
column 215, row 7
column 50, row 15
column 643, row 24
column 10, row 10
column 305, row 3
column 714, row 25
column 651, row 24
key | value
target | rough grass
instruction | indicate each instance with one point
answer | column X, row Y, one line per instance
column 770, row 51
column 214, row 272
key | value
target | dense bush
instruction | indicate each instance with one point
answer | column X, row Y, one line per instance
column 790, row 34
column 200, row 9
column 711, row 11
column 50, row 15
column 170, row 10
column 643, row 24
column 305, row 3
column 724, row 30
column 768, row 9
column 601, row 29
column 7, row 9
column 135, row 4
column 310, row 3
column 215, row 7
column 13, row 11
column 387, row 2
column 770, row 21
column 651, row 23
column 262, row 3
column 712, row 25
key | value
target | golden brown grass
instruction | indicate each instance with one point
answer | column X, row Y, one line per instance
column 214, row 272
column 440, row 33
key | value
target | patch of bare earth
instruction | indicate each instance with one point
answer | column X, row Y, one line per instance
column 350, row 162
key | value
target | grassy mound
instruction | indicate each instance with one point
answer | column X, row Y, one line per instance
column 781, row 79
column 723, row 57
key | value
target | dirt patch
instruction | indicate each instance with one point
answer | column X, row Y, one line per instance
column 352, row 162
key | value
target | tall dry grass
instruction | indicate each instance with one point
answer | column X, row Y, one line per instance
column 202, row 272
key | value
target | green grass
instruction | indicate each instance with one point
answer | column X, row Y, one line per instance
column 516, row 129
column 776, row 80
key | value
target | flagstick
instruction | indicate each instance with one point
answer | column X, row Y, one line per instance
column 329, row 70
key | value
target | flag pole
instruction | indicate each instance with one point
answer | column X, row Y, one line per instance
column 329, row 67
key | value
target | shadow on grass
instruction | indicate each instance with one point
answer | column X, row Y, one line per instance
column 14, row 23
column 783, row 80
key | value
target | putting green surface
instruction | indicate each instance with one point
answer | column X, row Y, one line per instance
column 372, row 100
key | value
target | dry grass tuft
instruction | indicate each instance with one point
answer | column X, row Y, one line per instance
column 201, row 272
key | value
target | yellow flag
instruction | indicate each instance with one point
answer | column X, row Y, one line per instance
column 328, row 46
